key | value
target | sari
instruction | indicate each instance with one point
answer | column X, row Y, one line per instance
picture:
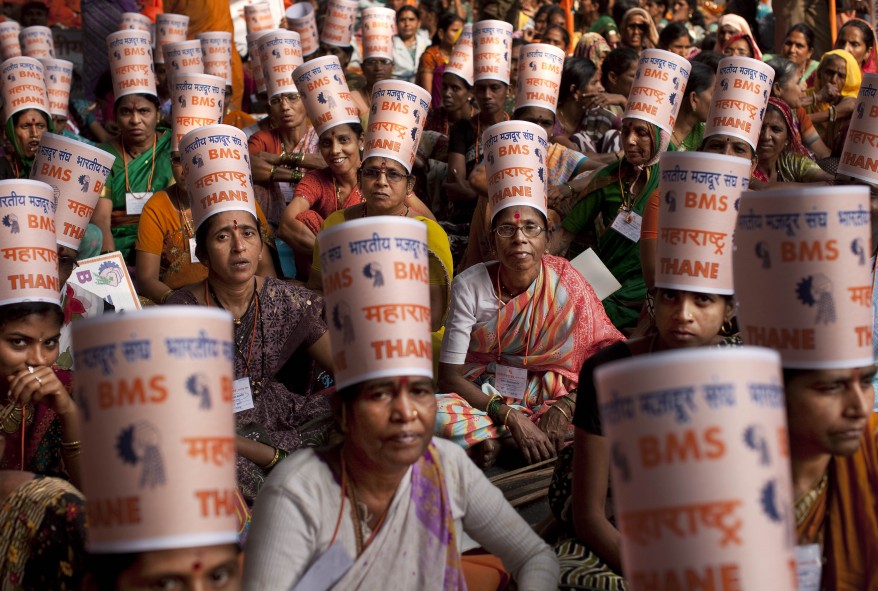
column 834, row 133
column 550, row 330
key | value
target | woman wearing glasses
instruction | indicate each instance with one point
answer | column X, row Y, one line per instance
column 638, row 30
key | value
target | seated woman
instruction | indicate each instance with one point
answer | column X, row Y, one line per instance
column 789, row 89
column 781, row 156
column 858, row 39
column 604, row 112
column 742, row 45
column 638, row 30
column 581, row 91
column 23, row 130
column 833, row 97
column 798, row 47
column 409, row 43
column 676, row 38
column 435, row 58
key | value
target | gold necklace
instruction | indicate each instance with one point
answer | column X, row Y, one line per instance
column 10, row 417
column 806, row 503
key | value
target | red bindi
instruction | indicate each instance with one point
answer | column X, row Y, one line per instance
column 517, row 216
column 235, row 222
column 196, row 566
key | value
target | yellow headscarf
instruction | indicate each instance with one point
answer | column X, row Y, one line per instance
column 853, row 78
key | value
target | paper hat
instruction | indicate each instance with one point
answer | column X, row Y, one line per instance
column 23, row 86
column 216, row 54
column 698, row 206
column 216, row 164
column 158, row 431
column 858, row 156
column 10, row 46
column 803, row 275
column 323, row 86
column 169, row 28
column 396, row 121
column 700, row 467
column 196, row 101
column 461, row 61
column 302, row 20
column 58, row 76
column 131, row 67
column 378, row 28
column 77, row 173
column 492, row 42
column 338, row 24
column 27, row 241
column 740, row 96
column 258, row 17
column 515, row 156
column 657, row 91
column 539, row 76
column 37, row 42
column 184, row 56
column 135, row 20
column 255, row 62
column 376, row 284
column 280, row 53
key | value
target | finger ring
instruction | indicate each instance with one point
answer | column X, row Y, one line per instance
column 39, row 381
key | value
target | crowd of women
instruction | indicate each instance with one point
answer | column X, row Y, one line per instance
column 393, row 212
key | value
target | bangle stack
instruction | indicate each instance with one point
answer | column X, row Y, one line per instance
column 71, row 449
column 273, row 170
column 279, row 456
column 493, row 407
column 165, row 296
column 832, row 113
column 557, row 407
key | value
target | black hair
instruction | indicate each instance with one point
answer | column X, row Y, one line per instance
column 549, row 10
column 201, row 237
column 408, row 8
column 784, row 70
column 105, row 569
column 34, row 4
column 445, row 21
column 618, row 61
column 466, row 84
column 603, row 7
column 710, row 59
column 671, row 33
column 578, row 72
column 696, row 18
column 151, row 98
column 701, row 77
column 805, row 30
column 16, row 312
column 565, row 34
column 709, row 41
column 620, row 7
column 541, row 214
column 774, row 108
column 868, row 35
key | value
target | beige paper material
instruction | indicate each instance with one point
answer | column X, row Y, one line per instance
column 58, row 76
column 378, row 25
column 698, row 206
column 338, row 25
column 858, row 158
column 593, row 269
column 77, row 173
column 169, row 28
column 196, row 101
column 376, row 285
column 280, row 53
column 492, row 42
column 740, row 97
column 323, row 86
column 10, row 46
column 258, row 17
column 216, row 164
column 216, row 54
column 255, row 63
column 183, row 56
column 302, row 20
column 23, row 86
column 27, row 243
column 539, row 76
column 515, row 157
column 700, row 467
column 803, row 276
column 37, row 42
column 135, row 20
column 106, row 276
column 158, row 432
column 658, row 88
column 131, row 66
column 461, row 61
column 396, row 121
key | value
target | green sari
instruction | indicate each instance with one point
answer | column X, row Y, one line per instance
column 124, row 226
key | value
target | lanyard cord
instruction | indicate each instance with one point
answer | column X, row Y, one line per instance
column 499, row 334
column 208, row 291
column 125, row 165
column 183, row 221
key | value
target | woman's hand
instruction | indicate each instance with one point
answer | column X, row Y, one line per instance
column 554, row 424
column 600, row 100
column 535, row 446
column 828, row 94
column 26, row 386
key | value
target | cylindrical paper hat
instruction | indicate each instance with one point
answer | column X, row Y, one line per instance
column 169, row 28
column 37, row 42
column 135, row 20
column 515, row 156
column 183, row 56
column 216, row 54
column 740, row 96
column 58, row 76
column 323, row 86
column 158, row 431
column 258, row 17
column 27, row 242
column 280, row 53
column 302, row 20
column 338, row 25
column 10, row 46
column 217, row 169
column 657, row 91
column 858, row 156
column 698, row 206
column 131, row 67
column 378, row 25
column 803, row 276
column 376, row 285
column 77, row 173
column 492, row 42
column 539, row 76
column 461, row 61
column 196, row 101
column 23, row 86
column 396, row 121
column 700, row 468
column 255, row 62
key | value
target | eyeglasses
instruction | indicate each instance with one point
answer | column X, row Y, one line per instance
column 377, row 61
column 393, row 177
column 67, row 263
column 289, row 98
column 509, row 230
column 635, row 26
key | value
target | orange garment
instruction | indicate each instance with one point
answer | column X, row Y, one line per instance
column 239, row 119
column 484, row 572
column 649, row 223
column 847, row 514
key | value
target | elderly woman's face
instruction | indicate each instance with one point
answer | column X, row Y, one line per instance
column 390, row 422
column 725, row 33
column 287, row 110
column 773, row 137
column 833, row 70
column 638, row 141
column 385, row 183
column 635, row 32
column 523, row 251
column 739, row 48
column 233, row 246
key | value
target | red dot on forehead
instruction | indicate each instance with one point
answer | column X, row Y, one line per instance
column 235, row 222
column 196, row 566
column 517, row 216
